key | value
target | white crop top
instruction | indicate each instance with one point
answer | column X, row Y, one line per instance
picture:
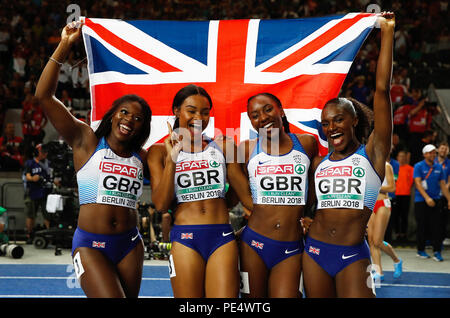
column 350, row 183
column 107, row 178
column 200, row 175
column 279, row 180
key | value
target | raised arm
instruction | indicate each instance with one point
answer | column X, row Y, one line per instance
column 379, row 144
column 74, row 131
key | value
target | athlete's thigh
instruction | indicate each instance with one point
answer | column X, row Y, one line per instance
column 284, row 278
column 317, row 282
column 253, row 268
column 354, row 281
column 130, row 270
column 187, row 272
column 98, row 275
column 222, row 273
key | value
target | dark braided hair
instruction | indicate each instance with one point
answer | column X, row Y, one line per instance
column 278, row 102
column 138, row 141
column 359, row 110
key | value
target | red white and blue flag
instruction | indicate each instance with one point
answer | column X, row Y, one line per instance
column 303, row 62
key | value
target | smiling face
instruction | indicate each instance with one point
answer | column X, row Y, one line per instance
column 127, row 121
column 193, row 114
column 265, row 115
column 338, row 126
column 430, row 156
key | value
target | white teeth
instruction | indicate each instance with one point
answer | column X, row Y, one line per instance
column 336, row 135
column 125, row 127
column 268, row 125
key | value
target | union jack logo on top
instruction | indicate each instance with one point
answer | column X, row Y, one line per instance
column 314, row 250
column 187, row 236
column 257, row 244
column 98, row 244
column 302, row 61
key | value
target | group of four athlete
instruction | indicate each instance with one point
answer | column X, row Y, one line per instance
column 274, row 176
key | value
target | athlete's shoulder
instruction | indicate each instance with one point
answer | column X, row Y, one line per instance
column 316, row 161
column 156, row 150
column 309, row 143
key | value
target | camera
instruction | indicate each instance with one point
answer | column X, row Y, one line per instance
column 60, row 156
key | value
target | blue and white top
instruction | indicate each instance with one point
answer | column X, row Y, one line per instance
column 279, row 179
column 107, row 178
column 349, row 183
column 201, row 175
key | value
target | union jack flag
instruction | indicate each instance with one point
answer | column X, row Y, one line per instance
column 257, row 244
column 314, row 250
column 187, row 236
column 302, row 61
column 98, row 244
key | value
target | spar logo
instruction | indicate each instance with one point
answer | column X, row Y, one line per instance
column 121, row 169
column 329, row 172
column 275, row 169
column 300, row 169
column 214, row 164
column 191, row 165
column 359, row 172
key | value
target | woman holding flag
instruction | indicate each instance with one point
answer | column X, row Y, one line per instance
column 277, row 164
column 190, row 171
column 347, row 181
column 107, row 249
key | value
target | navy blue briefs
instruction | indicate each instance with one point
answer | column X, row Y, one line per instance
column 334, row 258
column 115, row 247
column 203, row 238
column 271, row 251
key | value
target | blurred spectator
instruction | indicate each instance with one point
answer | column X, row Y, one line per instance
column 430, row 184
column 360, row 91
column 3, row 236
column 65, row 76
column 5, row 38
column 80, row 82
column 398, row 89
column 403, row 187
column 65, row 98
column 416, row 146
column 444, row 161
column 11, row 157
column 33, row 122
column 36, row 177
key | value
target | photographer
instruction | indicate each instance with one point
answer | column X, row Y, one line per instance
column 36, row 179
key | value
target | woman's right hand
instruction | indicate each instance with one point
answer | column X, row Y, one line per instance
column 71, row 32
column 173, row 144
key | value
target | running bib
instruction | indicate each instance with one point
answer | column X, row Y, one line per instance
column 341, row 187
column 200, row 176
column 280, row 184
column 279, row 180
column 350, row 183
column 107, row 178
column 119, row 184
